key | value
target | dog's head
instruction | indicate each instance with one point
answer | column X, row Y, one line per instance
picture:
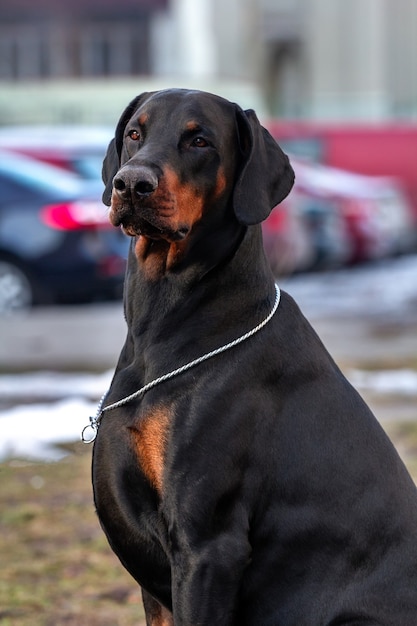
column 177, row 154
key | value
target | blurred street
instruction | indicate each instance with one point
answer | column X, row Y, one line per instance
column 85, row 337
column 377, row 301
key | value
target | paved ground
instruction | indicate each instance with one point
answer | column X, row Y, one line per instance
column 90, row 337
column 67, row 338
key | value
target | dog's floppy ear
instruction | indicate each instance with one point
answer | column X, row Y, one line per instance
column 111, row 161
column 111, row 164
column 266, row 176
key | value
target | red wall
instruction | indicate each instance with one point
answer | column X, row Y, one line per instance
column 379, row 150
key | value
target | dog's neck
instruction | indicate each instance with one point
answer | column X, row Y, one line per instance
column 203, row 296
column 162, row 273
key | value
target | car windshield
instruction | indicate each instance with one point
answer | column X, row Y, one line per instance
column 46, row 179
column 89, row 166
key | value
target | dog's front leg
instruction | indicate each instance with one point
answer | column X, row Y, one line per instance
column 156, row 614
column 206, row 577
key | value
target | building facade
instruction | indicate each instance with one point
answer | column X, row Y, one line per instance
column 50, row 39
column 316, row 59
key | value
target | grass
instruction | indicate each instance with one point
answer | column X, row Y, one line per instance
column 57, row 568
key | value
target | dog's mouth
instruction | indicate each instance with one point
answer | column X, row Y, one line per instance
column 150, row 225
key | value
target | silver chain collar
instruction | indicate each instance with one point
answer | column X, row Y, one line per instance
column 89, row 432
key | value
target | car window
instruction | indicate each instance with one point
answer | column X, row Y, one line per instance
column 25, row 173
column 89, row 166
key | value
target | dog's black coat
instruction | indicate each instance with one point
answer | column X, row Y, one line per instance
column 256, row 489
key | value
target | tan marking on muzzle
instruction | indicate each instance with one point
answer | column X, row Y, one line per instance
column 221, row 183
column 115, row 201
column 189, row 202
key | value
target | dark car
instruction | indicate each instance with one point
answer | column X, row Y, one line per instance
column 56, row 243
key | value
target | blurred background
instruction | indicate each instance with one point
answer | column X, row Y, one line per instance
column 335, row 82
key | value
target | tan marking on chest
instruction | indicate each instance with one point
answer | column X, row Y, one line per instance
column 164, row 618
column 150, row 438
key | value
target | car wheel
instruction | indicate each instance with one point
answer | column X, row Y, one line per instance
column 16, row 291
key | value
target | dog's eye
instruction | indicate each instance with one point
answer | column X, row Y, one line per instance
column 134, row 134
column 199, row 142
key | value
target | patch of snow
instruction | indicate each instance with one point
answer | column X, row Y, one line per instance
column 53, row 385
column 32, row 431
column 381, row 288
column 402, row 381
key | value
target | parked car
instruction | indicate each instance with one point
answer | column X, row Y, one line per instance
column 288, row 243
column 334, row 218
column 377, row 215
column 78, row 149
column 56, row 243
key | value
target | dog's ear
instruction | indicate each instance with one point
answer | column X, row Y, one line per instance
column 111, row 164
column 266, row 176
column 111, row 161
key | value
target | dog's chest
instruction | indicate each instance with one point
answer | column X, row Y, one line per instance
column 128, row 477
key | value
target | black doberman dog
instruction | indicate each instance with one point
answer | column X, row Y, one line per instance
column 253, row 487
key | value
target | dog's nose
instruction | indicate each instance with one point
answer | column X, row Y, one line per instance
column 135, row 182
